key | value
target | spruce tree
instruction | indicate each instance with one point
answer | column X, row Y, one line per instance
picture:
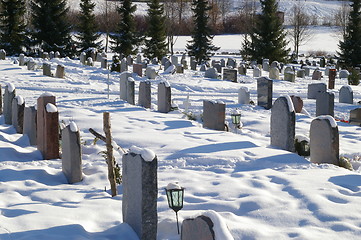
column 268, row 38
column 12, row 26
column 201, row 46
column 125, row 40
column 51, row 31
column 350, row 46
column 156, row 45
column 88, row 37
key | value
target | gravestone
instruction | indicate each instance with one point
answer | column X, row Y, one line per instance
column 51, row 54
column 71, row 153
column 164, row 97
column 355, row 117
column 83, row 58
column 2, row 54
column 123, row 65
column 104, row 63
column 325, row 103
column 46, row 55
column 283, row 123
column 203, row 68
column 344, row 73
column 167, row 64
column 193, row 64
column 301, row 73
column 257, row 72
column 170, row 70
column 327, row 71
column 223, row 62
column 274, row 73
column 288, row 69
column 218, row 67
column 60, row 71
column 317, row 74
column 314, row 89
column 289, row 76
column 324, row 140
column 346, row 95
column 140, row 190
column 9, row 95
column 184, row 63
column 138, row 69
column 139, row 58
column 243, row 95
column 297, row 103
column 47, row 69
column 242, row 69
column 164, row 60
column 275, row 64
column 179, row 68
column 47, row 126
column 230, row 74
column 123, row 84
column 131, row 91
column 174, row 60
column 129, row 60
column 264, row 92
column 30, row 124
column 22, row 59
column 151, row 72
column 57, row 54
column 145, row 99
column 200, row 228
column 331, row 78
column 1, row 100
column 265, row 64
column 231, row 63
column 18, row 105
column 214, row 115
column 307, row 71
column 322, row 62
column 93, row 54
column 211, row 73
column 90, row 61
column 31, row 64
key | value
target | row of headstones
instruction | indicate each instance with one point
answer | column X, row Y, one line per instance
column 94, row 57
column 41, row 124
column 44, row 55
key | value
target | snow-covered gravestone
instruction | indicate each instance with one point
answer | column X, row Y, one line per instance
column 60, row 71
column 57, row 54
column 242, row 69
column 275, row 64
column 167, row 64
column 289, row 76
column 325, row 103
column 47, row 126
column 140, row 191
column 104, row 63
column 346, row 95
column 89, row 61
column 21, row 59
column 355, row 117
column 47, row 69
column 265, row 64
column 51, row 54
column 317, row 74
column 324, row 140
column 230, row 74
column 131, row 91
column 82, row 58
column 264, row 92
column 17, row 119
column 343, row 73
column 138, row 69
column 211, row 73
column 151, row 72
column 45, row 55
column 203, row 68
column 9, row 95
column 231, row 63
column 2, row 54
column 174, row 60
column 30, row 124
column 274, row 73
column 145, row 99
column 283, row 122
column 243, row 95
column 315, row 88
column 214, row 114
column 31, row 64
column 257, row 72
column 164, row 97
column 71, row 153
column 123, row 84
column 123, row 65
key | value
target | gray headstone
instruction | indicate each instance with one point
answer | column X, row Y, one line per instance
column 83, row 58
column 145, row 99
column 131, row 91
column 47, row 69
column 283, row 123
column 203, row 68
column 264, row 92
column 123, row 65
column 60, row 71
column 231, row 63
column 242, row 69
column 327, row 71
column 18, row 114
column 317, row 74
column 138, row 69
column 90, row 61
column 46, row 55
column 184, row 63
column 289, row 76
column 164, row 60
column 51, row 54
column 288, row 69
column 275, row 64
column 22, row 59
column 57, row 54
column 265, row 65
column 8, row 99
column 167, row 64
column 31, row 64
column 104, row 63
column 355, row 117
column 314, row 89
column 223, row 62
column 151, row 72
column 324, row 141
column 243, row 96
column 30, row 124
column 140, row 190
column 164, row 97
column 2, row 54
column 301, row 73
column 93, row 54
column 71, row 154
column 274, row 73
column 174, row 60
column 211, row 73
column 325, row 103
column 344, row 73
column 123, row 84
column 214, row 115
column 139, row 58
column 200, row 227
column 257, row 72
column 307, row 71
column 346, row 95
column 193, row 65
column 129, row 60
column 230, row 74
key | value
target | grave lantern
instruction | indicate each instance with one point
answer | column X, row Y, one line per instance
column 175, row 196
column 236, row 118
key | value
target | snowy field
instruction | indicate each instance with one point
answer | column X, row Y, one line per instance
column 260, row 192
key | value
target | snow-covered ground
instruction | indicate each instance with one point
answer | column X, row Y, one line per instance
column 260, row 192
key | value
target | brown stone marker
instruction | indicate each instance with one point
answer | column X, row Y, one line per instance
column 297, row 103
column 331, row 78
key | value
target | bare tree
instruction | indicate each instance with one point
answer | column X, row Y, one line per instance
column 341, row 18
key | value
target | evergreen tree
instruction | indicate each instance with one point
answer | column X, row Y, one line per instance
column 201, row 46
column 350, row 47
column 156, row 45
column 51, row 31
column 268, row 38
column 12, row 26
column 126, row 39
column 87, row 27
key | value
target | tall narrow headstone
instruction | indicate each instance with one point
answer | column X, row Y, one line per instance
column 145, row 99
column 31, row 64
column 22, row 59
column 265, row 64
column 324, row 140
column 30, row 124
column 174, row 60
column 315, row 88
column 214, row 115
column 283, row 123
column 140, row 190
column 1, row 100
column 325, row 103
column 123, row 65
column 60, row 71
column 8, row 99
column 2, row 54
column 346, row 95
column 264, row 92
column 71, row 153
column 18, row 105
column 104, row 63
column 131, row 91
column 123, row 84
column 331, row 78
column 83, row 58
column 243, row 95
column 164, row 97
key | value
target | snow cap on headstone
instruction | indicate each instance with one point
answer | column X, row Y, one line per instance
column 73, row 127
column 51, row 108
column 11, row 87
column 147, row 154
column 330, row 119
column 20, row 100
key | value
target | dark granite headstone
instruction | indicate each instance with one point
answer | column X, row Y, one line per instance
column 18, row 106
column 355, row 117
column 164, row 98
column 131, row 91
column 325, row 103
column 230, row 74
column 30, row 124
column 264, row 92
column 47, row 69
column 8, row 99
column 214, row 115
column 346, row 95
column 71, row 154
column 331, row 78
column 145, row 99
column 2, row 54
column 242, row 69
column 200, row 228
column 301, row 73
column 211, row 73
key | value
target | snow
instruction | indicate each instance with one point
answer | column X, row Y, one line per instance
column 51, row 108
column 20, row 100
column 173, row 186
column 47, row 94
column 301, row 138
column 11, row 87
column 330, row 119
column 73, row 127
column 220, row 230
column 147, row 154
column 291, row 108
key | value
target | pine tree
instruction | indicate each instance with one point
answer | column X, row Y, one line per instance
column 268, row 38
column 156, row 45
column 201, row 46
column 126, row 39
column 87, row 27
column 12, row 26
column 51, row 31
column 350, row 47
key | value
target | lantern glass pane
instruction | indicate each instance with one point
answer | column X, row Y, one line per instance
column 176, row 198
column 169, row 198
